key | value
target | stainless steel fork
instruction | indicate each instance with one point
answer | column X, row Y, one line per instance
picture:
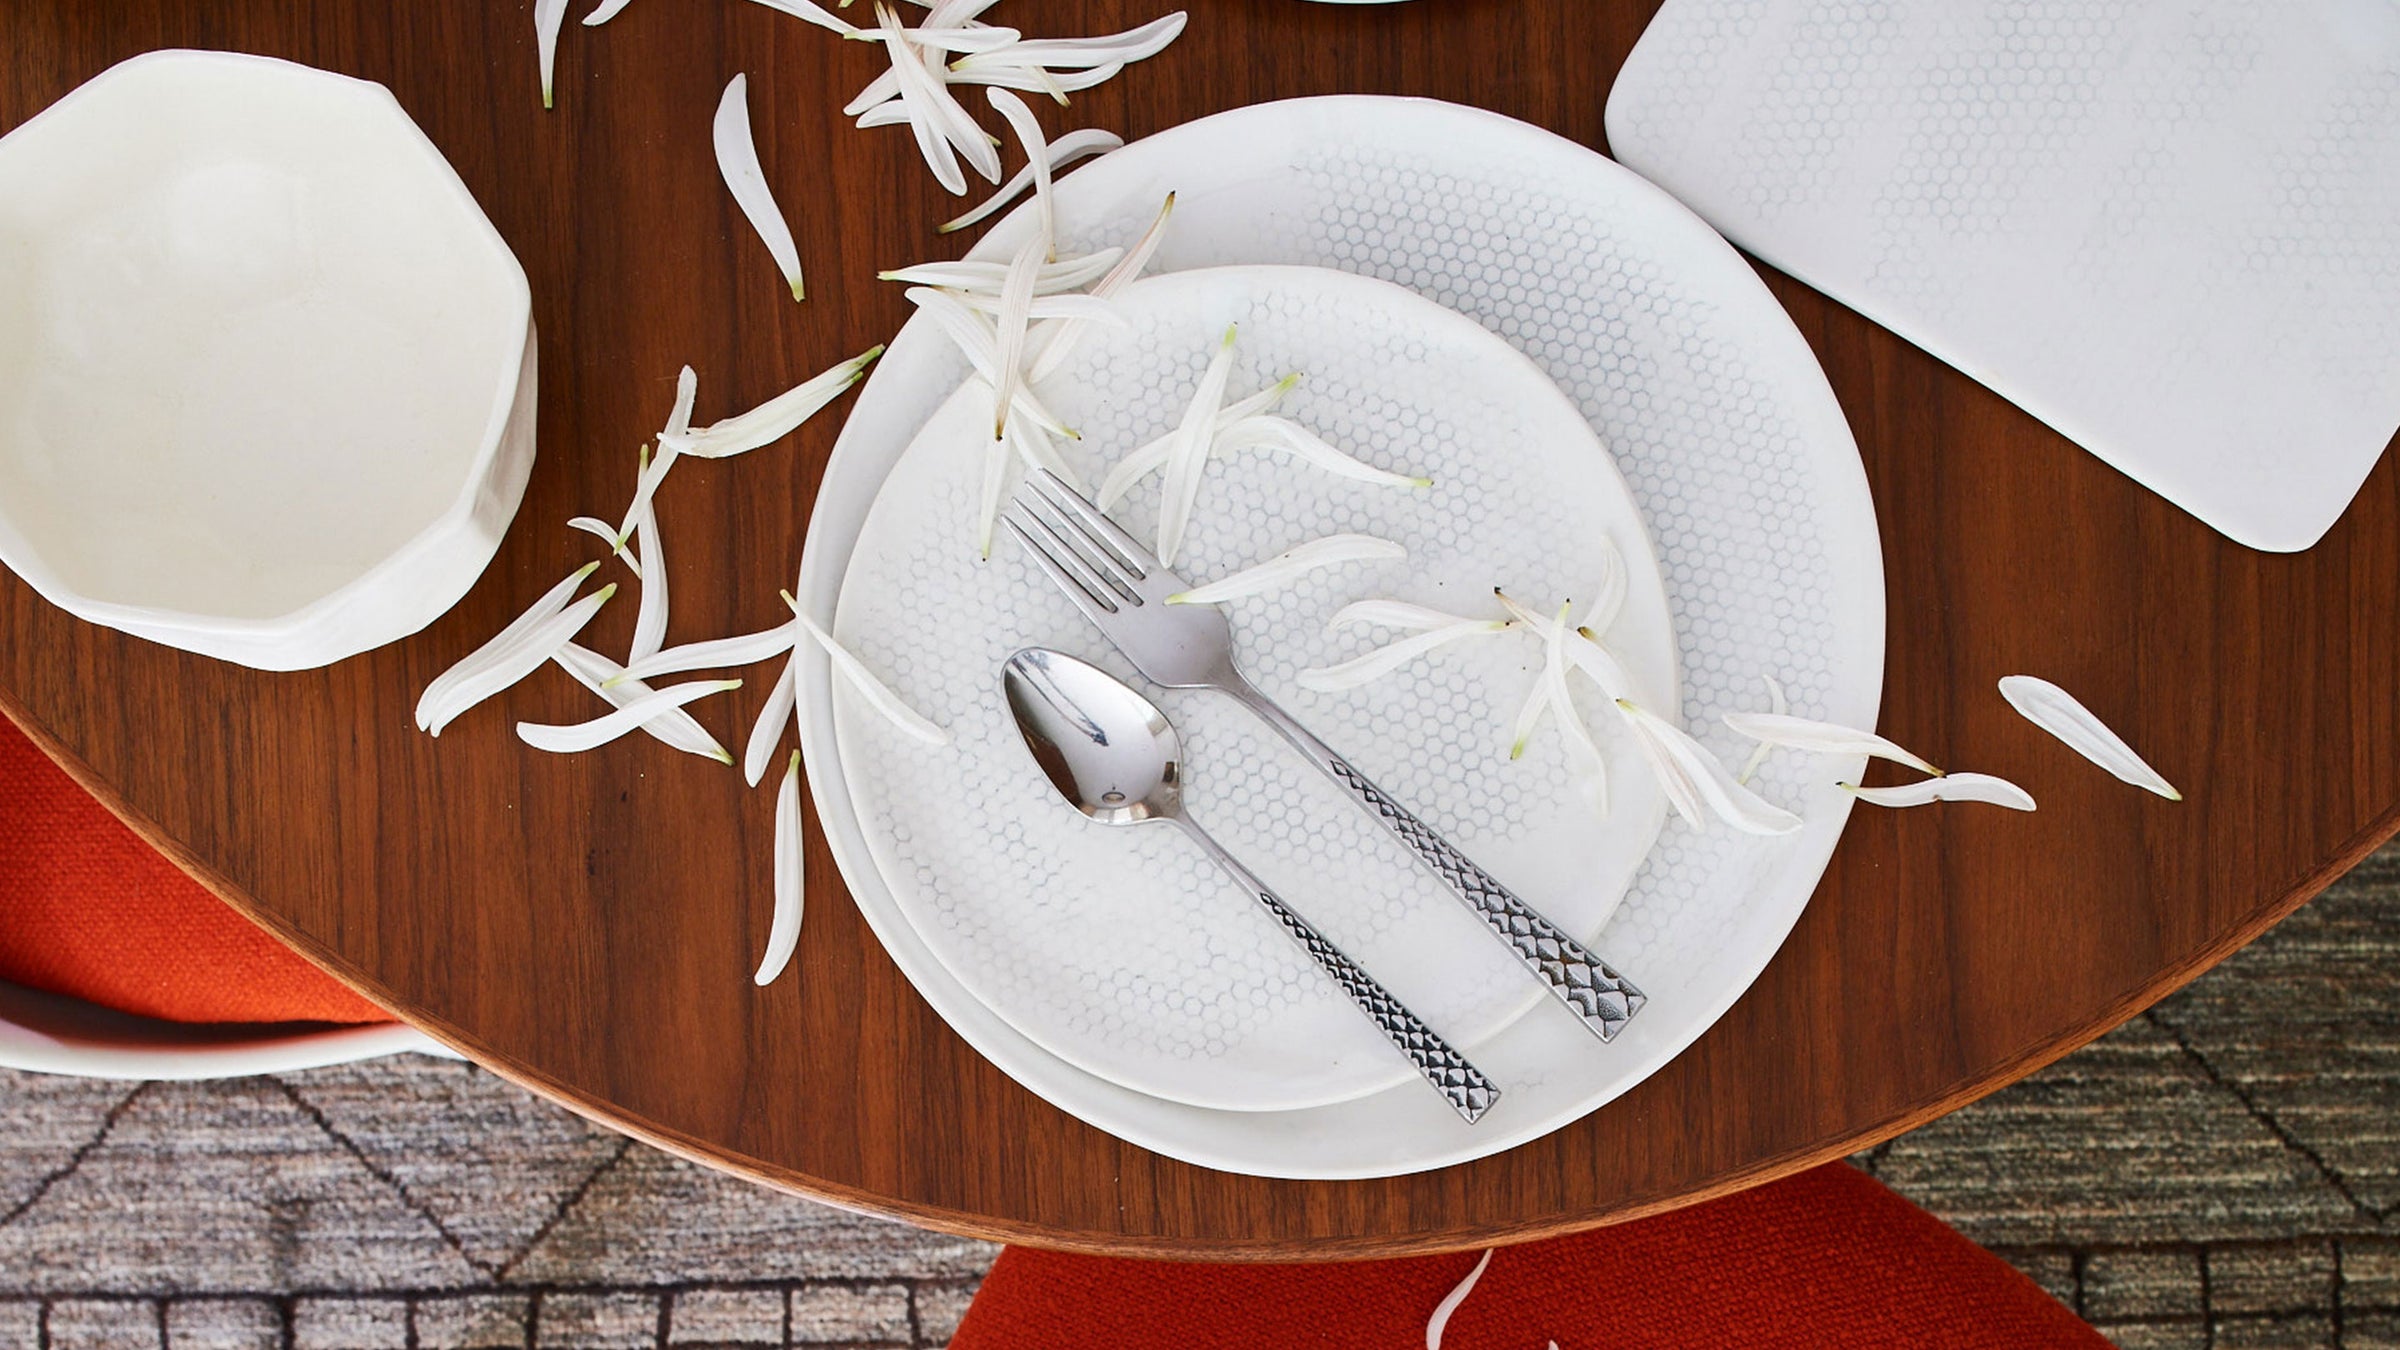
column 1122, row 588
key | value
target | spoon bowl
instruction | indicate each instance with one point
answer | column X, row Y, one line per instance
column 1107, row 749
column 1114, row 755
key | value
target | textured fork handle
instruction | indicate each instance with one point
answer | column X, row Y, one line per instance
column 1602, row 998
column 1468, row 1091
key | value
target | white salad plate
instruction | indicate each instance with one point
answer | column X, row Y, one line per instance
column 266, row 370
column 1126, row 952
column 1738, row 458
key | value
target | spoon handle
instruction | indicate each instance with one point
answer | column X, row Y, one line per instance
column 1468, row 1091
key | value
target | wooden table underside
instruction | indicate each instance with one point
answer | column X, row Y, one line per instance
column 585, row 924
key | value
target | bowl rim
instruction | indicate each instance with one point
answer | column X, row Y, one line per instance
column 23, row 558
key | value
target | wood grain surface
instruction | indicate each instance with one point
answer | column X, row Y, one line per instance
column 586, row 925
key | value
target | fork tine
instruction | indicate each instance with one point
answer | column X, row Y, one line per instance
column 1128, row 551
column 1094, row 602
column 1091, row 554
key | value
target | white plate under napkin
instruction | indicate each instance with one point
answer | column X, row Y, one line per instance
column 2168, row 228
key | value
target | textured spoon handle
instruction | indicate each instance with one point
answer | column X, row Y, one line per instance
column 1468, row 1091
column 1602, row 998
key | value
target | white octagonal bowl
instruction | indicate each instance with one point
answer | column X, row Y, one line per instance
column 266, row 370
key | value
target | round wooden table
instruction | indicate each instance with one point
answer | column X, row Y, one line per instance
column 586, row 925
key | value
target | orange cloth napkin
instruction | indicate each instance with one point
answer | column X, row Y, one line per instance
column 89, row 910
column 1828, row 1258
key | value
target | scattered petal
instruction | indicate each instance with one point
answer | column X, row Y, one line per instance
column 604, row 11
column 767, row 732
column 1728, row 800
column 737, row 160
column 1064, row 275
column 987, row 504
column 650, row 621
column 1450, row 1302
column 2058, row 712
column 1778, row 705
column 675, row 728
column 1116, row 49
column 879, row 695
column 1280, row 570
column 774, row 419
column 506, row 659
column 814, row 13
column 548, row 17
column 745, row 649
column 1188, row 460
column 1608, row 596
column 1008, row 329
column 1062, row 337
column 783, row 935
column 1824, row 738
column 1065, row 150
column 1384, row 660
column 1279, row 433
column 1956, row 787
column 568, row 740
column 552, row 601
column 607, row 534
column 1394, row 614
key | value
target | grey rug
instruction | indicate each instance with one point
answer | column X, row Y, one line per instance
column 2204, row 1176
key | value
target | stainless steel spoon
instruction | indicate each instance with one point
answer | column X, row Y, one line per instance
column 1116, row 757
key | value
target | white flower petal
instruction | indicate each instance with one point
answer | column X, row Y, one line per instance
column 1062, row 339
column 676, row 432
column 2058, row 712
column 581, row 736
column 936, row 109
column 1728, row 800
column 1398, row 614
column 553, row 600
column 718, row 653
column 1778, row 705
column 737, row 160
column 1291, row 564
column 1608, row 596
column 1528, row 718
column 1594, row 765
column 767, row 732
column 879, row 695
column 1384, row 660
column 1450, row 1302
column 1035, row 447
column 607, row 534
column 1012, row 313
column 548, row 17
column 604, row 11
column 1187, row 462
column 604, row 677
column 1020, row 120
column 1152, row 456
column 1589, row 655
column 980, row 38
column 1118, row 49
column 999, row 71
column 814, row 13
column 783, row 934
column 973, row 335
column 1064, row 275
column 1824, row 738
column 1279, row 433
column 650, row 621
column 504, row 660
column 1081, row 308
column 774, row 419
column 1065, row 150
column 1956, row 787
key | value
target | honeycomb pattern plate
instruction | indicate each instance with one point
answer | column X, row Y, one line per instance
column 2168, row 228
column 1720, row 420
column 1124, row 951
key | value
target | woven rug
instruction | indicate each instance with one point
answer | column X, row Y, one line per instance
column 2223, row 1171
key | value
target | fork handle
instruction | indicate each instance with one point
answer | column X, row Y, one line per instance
column 1468, row 1091
column 1600, row 997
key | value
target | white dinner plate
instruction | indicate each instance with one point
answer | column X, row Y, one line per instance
column 1739, row 460
column 1126, row 952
